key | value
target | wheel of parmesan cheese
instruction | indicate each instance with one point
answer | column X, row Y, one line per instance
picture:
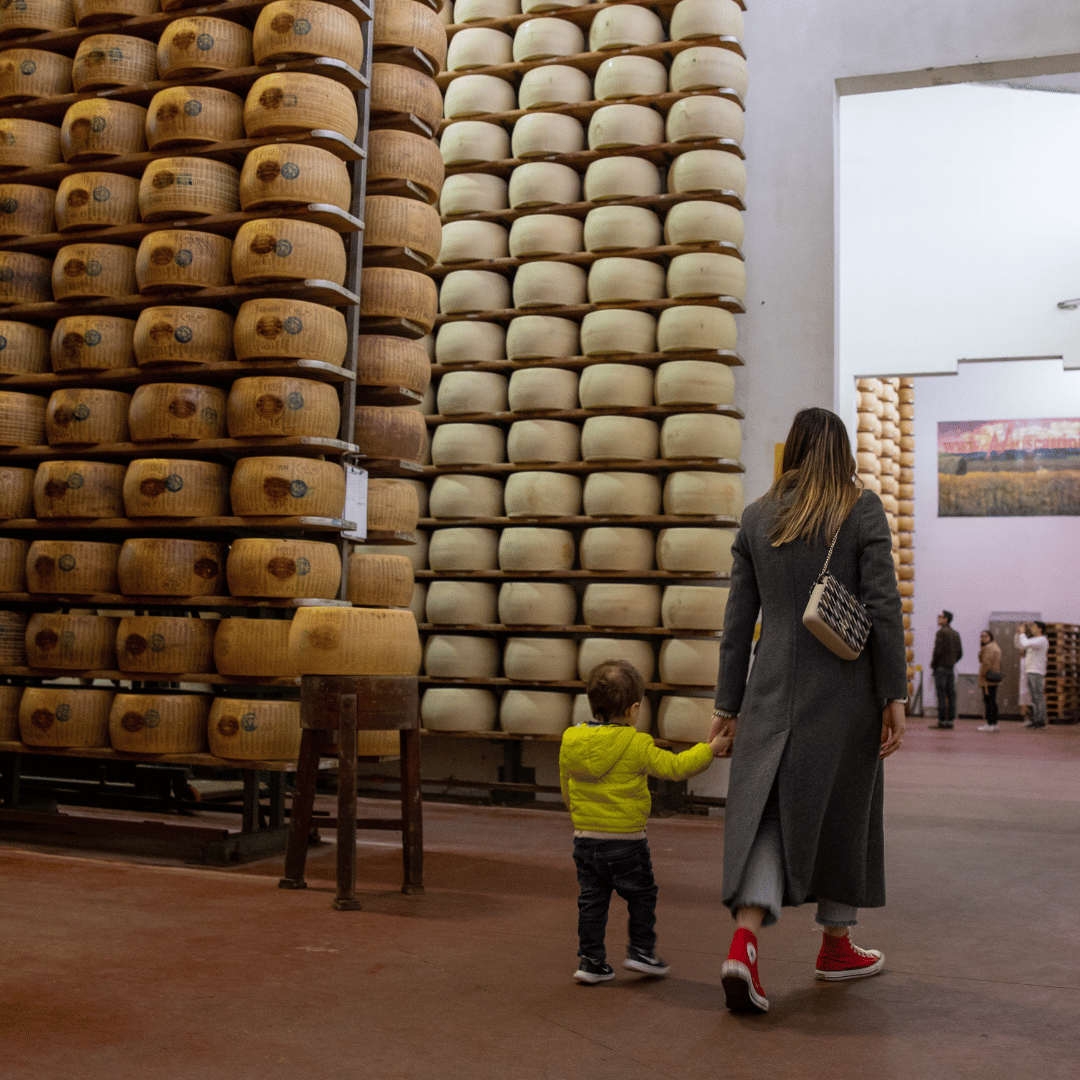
column 534, row 389
column 468, row 241
column 26, row 74
column 478, row 95
column 868, row 443
column 379, row 580
column 684, row 719
column 283, row 568
column 28, row 144
column 695, row 551
column 706, row 18
column 611, row 228
column 705, row 67
column 94, row 200
column 24, row 349
column 620, row 26
column 167, row 567
column 693, row 327
column 691, row 382
column 468, row 142
column 279, row 329
column 403, row 98
column 466, row 496
column 199, row 45
column 549, row 284
column 620, row 494
column 354, row 641
column 180, row 259
column 94, row 271
column 544, row 234
column 262, row 405
column 26, row 210
column 297, row 29
column 16, row 498
column 79, row 489
column 531, row 337
column 288, row 102
column 621, row 605
column 402, row 29
column 104, row 61
column 619, row 438
column 464, row 392
column 628, row 77
column 84, row 416
column 479, row 47
column 291, row 174
column 615, row 548
column 468, row 444
column 473, row 290
column 467, row 11
column 393, row 223
column 71, row 642
column 543, row 183
column 182, row 335
column 22, row 419
column 252, row 647
column 165, row 644
column 621, row 177
column 535, row 712
column 254, row 730
column 703, row 493
column 553, row 84
column 277, row 249
column 689, row 661
column 541, row 39
column 534, row 549
column 296, row 487
column 543, row 133
column 616, row 332
column 617, row 280
column 461, row 656
column 532, row 442
column 189, row 116
column 693, row 607
column 461, row 603
column 165, row 487
column 464, row 549
column 625, row 125
column 452, row 708
column 598, row 650
column 386, row 432
column 385, row 361
column 707, row 171
column 61, row 717
column 699, row 222
column 469, row 342
column 542, row 494
column 540, row 659
column 706, row 274
column 71, row 567
column 608, row 386
column 176, row 187
column 695, row 435
column 705, row 117
column 867, row 421
column 537, row 603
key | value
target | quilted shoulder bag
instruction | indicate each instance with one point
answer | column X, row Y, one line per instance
column 834, row 616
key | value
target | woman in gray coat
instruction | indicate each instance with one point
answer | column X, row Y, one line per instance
column 804, row 805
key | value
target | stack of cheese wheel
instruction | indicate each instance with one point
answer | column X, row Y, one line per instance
column 902, row 405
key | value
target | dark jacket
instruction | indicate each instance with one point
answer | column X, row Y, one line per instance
column 808, row 721
column 947, row 648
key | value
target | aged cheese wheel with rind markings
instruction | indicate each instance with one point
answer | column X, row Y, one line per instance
column 178, row 334
column 62, row 717
column 354, row 641
column 287, row 486
column 252, row 647
column 307, row 569
column 71, row 642
column 257, row 729
column 153, row 566
column 84, row 416
column 24, row 348
column 296, row 29
column 159, row 723
column 190, row 116
column 79, row 489
column 176, row 411
column 75, row 567
column 168, row 487
column 165, row 644
column 279, row 405
column 379, row 580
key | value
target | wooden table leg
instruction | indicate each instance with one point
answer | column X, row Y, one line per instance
column 346, row 810
column 276, row 817
column 303, row 801
column 412, row 824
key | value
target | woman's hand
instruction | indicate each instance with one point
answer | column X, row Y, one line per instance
column 723, row 728
column 893, row 723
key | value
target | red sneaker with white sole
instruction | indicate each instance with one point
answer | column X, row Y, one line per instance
column 839, row 959
column 739, row 976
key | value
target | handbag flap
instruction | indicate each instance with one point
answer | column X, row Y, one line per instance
column 821, row 610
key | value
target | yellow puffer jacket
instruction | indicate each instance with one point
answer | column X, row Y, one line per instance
column 602, row 769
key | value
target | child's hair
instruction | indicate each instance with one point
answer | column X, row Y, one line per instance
column 614, row 687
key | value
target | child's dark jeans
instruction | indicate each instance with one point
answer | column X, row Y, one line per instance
column 626, row 867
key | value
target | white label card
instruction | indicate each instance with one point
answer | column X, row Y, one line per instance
column 356, row 481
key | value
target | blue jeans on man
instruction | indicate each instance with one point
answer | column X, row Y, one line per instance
column 945, row 689
column 1038, row 699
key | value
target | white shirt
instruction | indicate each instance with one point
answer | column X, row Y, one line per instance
column 1035, row 649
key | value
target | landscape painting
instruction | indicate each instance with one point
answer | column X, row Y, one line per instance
column 1009, row 468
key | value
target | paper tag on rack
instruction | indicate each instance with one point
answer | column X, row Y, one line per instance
column 356, row 480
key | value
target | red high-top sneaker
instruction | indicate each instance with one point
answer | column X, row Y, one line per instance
column 839, row 959
column 739, row 976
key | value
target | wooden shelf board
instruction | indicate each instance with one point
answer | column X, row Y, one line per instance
column 657, row 466
column 104, row 753
column 103, row 600
column 148, row 677
column 583, row 520
column 387, row 395
column 501, row 736
column 647, row 411
column 135, row 526
column 593, row 631
column 382, row 467
column 578, row 363
column 502, row 683
column 671, row 576
column 294, row 445
column 577, row 312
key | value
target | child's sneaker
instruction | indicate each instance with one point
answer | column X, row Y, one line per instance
column 839, row 959
column 739, row 975
column 645, row 961
column 593, row 971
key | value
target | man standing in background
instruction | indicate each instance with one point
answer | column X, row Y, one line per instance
column 1031, row 641
column 947, row 654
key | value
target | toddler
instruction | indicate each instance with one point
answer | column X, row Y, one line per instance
column 602, row 768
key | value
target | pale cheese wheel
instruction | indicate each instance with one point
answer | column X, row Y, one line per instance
column 280, row 329
column 540, row 659
column 379, row 580
column 700, row 222
column 540, row 39
column 93, row 200
column 254, row 730
column 599, row 650
column 706, row 67
column 22, row 419
column 867, row 442
column 182, row 259
column 695, row 551
column 537, row 603
column 611, row 228
column 200, row 45
column 693, row 328
column 403, row 158
column 553, row 84
column 533, row 549
column 689, row 661
column 283, row 568
column 693, row 607
column 535, row 712
column 689, row 382
column 621, row 177
column 466, row 496
column 26, row 210
column 452, row 708
column 79, row 489
column 706, row 274
column 25, row 279
column 60, row 717
column 404, row 98
column 460, row 603
column 104, row 61
column 252, row 648
column 621, row 605
column 166, row 487
column 297, row 29
column 24, row 348
column 28, row 144
column 467, row 11
column 619, row 26
column 354, row 641
column 176, row 187
column 474, row 290
column 617, row 332
column 628, row 77
column 393, row 223
column 703, row 116
column 479, row 47
column 684, row 719
column 531, row 7
column 617, row 280
column 707, row 171
column 468, row 342
column 549, row 284
column 544, row 234
column 614, row 126
column 476, row 95
column 906, row 412
column 543, row 183
column 540, row 133
column 531, row 337
column 167, row 567
column 461, row 656
column 468, row 241
column 72, row 567
column 288, row 102
column 889, row 449
column 473, row 193
column 164, row 644
column 464, row 392
column 262, row 405
column 619, row 438
column 867, row 421
column 706, row 18
column 905, row 507
column 907, row 427
column 869, row 385
column 468, row 444
column 542, row 441
column 80, row 416
column 159, row 723
column 700, row 435
column 905, row 524
column 279, row 249
column 178, row 334
column 617, row 548
column 295, row 487
column 620, row 494
column 385, row 361
column 542, row 494
column 869, row 481
column 905, row 491
column 93, row 271
column 463, row 549
column 71, row 642
column 703, row 493
column 16, row 500
column 535, row 389
column 468, row 142
column 26, row 74
column 189, row 116
column 610, row 386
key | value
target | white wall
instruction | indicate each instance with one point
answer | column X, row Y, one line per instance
column 974, row 566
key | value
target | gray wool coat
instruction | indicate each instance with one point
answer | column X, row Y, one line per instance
column 808, row 721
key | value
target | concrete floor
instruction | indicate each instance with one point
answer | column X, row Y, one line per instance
column 125, row 969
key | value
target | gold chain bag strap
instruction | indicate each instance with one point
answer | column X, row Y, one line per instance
column 834, row 616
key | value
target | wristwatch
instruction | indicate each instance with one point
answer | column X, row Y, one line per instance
column 724, row 714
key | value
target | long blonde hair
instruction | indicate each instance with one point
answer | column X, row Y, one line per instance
column 817, row 487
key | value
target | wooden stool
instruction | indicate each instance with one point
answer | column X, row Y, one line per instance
column 345, row 704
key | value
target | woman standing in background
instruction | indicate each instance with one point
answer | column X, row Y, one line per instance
column 989, row 662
